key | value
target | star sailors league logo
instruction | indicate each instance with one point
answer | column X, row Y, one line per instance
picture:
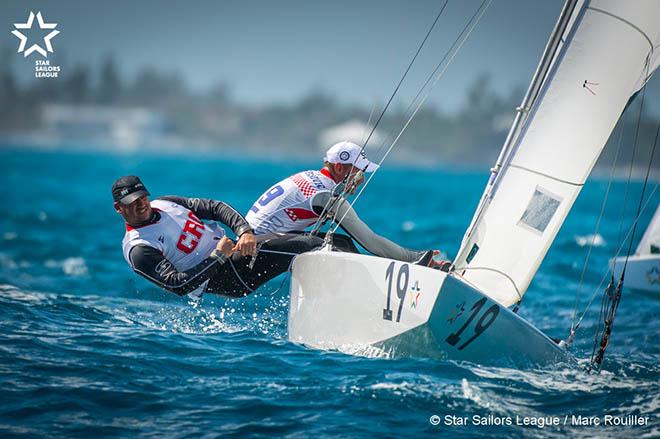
column 42, row 68
column 35, row 47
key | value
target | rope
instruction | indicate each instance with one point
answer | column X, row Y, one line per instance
column 509, row 278
column 593, row 295
column 331, row 203
column 632, row 162
column 640, row 210
column 432, row 74
column 611, row 300
column 456, row 46
column 335, row 199
column 641, row 199
column 419, row 49
column 593, row 239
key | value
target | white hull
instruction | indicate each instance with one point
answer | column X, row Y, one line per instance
column 339, row 301
column 642, row 272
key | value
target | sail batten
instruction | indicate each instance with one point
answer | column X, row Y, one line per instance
column 548, row 176
column 604, row 59
column 625, row 21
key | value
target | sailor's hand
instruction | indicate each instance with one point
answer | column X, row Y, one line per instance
column 440, row 264
column 246, row 244
column 356, row 180
column 225, row 246
column 359, row 178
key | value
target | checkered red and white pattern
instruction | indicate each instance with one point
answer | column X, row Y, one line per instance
column 287, row 206
column 300, row 214
column 305, row 187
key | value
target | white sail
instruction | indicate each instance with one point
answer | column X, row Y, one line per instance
column 651, row 236
column 608, row 53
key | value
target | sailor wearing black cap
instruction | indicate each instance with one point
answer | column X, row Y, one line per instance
column 168, row 243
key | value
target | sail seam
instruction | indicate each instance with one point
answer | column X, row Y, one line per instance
column 572, row 183
column 625, row 21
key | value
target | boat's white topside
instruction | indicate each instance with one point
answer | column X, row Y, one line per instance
column 642, row 272
column 353, row 302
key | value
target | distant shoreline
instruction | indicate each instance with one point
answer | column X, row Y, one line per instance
column 304, row 158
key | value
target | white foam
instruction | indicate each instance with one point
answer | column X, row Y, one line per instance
column 9, row 236
column 590, row 240
column 408, row 226
column 70, row 266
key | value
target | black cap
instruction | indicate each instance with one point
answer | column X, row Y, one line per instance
column 127, row 189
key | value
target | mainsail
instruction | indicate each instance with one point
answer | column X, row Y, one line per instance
column 650, row 242
column 610, row 49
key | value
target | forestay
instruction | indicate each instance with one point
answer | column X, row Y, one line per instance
column 609, row 51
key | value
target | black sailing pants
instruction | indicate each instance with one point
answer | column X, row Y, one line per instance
column 236, row 279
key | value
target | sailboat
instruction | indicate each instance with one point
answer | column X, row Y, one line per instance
column 600, row 53
column 643, row 268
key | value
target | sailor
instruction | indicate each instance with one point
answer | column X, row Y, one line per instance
column 168, row 243
column 296, row 203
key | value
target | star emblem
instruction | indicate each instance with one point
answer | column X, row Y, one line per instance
column 653, row 275
column 456, row 312
column 35, row 47
column 414, row 295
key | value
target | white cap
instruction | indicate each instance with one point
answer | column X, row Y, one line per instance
column 349, row 153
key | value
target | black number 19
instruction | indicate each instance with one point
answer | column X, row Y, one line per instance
column 483, row 323
column 401, row 288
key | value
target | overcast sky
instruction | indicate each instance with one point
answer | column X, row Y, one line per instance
column 277, row 51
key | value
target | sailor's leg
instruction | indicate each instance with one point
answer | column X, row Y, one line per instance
column 227, row 282
column 360, row 232
column 274, row 258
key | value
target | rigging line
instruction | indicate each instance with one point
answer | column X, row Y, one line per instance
column 474, row 22
column 601, row 315
column 389, row 101
column 330, row 203
column 600, row 217
column 371, row 114
column 495, row 270
column 432, row 74
column 419, row 49
column 593, row 295
column 641, row 199
column 632, row 162
column 480, row 11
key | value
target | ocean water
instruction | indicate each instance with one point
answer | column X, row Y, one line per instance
column 89, row 349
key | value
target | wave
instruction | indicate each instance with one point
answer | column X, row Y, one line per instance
column 592, row 240
column 74, row 266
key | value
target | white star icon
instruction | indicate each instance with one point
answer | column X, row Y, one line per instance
column 35, row 47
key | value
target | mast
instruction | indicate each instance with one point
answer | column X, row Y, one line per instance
column 539, row 76
column 600, row 53
column 521, row 115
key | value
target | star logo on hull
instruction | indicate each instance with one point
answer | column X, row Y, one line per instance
column 456, row 312
column 414, row 295
column 653, row 276
column 35, row 47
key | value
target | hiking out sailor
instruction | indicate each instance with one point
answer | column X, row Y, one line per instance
column 168, row 243
column 296, row 203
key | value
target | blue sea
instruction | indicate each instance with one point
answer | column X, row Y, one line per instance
column 89, row 349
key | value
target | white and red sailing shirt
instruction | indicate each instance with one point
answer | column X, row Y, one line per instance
column 287, row 206
column 181, row 237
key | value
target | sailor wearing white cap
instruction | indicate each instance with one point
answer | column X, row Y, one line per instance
column 348, row 153
column 295, row 203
